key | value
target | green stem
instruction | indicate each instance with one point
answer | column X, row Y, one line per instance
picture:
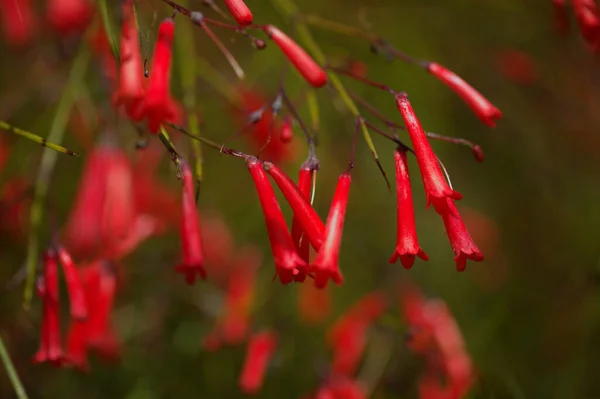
column 36, row 139
column 47, row 164
column 12, row 373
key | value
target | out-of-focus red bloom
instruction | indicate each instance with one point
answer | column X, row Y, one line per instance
column 240, row 11
column 303, row 212
column 436, row 186
column 462, row 244
column 287, row 134
column 326, row 265
column 516, row 66
column 308, row 68
column 191, row 239
column 561, row 19
column 50, row 344
column 159, row 107
column 101, row 48
column 484, row 109
column 4, row 152
column 347, row 337
column 14, row 207
column 314, row 304
column 288, row 264
column 219, row 253
column 79, row 308
column 130, row 91
column 18, row 21
column 260, row 349
column 340, row 387
column 407, row 244
column 69, row 16
column 588, row 20
column 258, row 134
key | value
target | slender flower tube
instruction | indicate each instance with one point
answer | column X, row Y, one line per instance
column 436, row 186
column 50, row 344
column 299, row 237
column 407, row 244
column 484, row 109
column 462, row 244
column 260, row 349
column 303, row 211
column 158, row 104
column 288, row 264
column 191, row 242
column 130, row 92
column 308, row 68
column 79, row 308
column 326, row 266
column 18, row 21
column 69, row 16
column 240, row 11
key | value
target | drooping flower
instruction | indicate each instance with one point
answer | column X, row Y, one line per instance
column 326, row 265
column 462, row 244
column 239, row 11
column 18, row 21
column 288, row 264
column 260, row 350
column 191, row 240
column 130, row 91
column 50, row 349
column 79, row 308
column 308, row 68
column 299, row 237
column 158, row 105
column 588, row 20
column 407, row 244
column 436, row 187
column 304, row 213
column 484, row 109
column 69, row 16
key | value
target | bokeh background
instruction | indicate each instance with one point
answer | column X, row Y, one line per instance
column 529, row 313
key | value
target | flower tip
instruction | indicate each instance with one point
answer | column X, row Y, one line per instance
column 478, row 153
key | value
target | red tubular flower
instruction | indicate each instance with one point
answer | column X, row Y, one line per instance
column 77, row 337
column 74, row 286
column 50, row 344
column 130, row 92
column 158, row 106
column 588, row 20
column 326, row 266
column 260, row 349
column 308, row 68
column 436, row 187
column 18, row 21
column 407, row 244
column 240, row 11
column 191, row 242
column 462, row 244
column 288, row 264
column 303, row 211
column 287, row 134
column 301, row 240
column 69, row 16
column 561, row 19
column 484, row 110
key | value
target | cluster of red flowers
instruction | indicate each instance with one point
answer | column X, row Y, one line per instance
column 587, row 16
column 120, row 204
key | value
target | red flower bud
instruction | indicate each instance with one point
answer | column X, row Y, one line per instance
column 79, row 308
column 240, row 11
column 158, row 107
column 462, row 244
column 436, row 187
column 18, row 21
column 260, row 349
column 69, row 16
column 50, row 344
column 478, row 153
column 131, row 75
column 407, row 244
column 326, row 266
column 287, row 134
column 288, row 264
column 193, row 257
column 308, row 68
column 484, row 110
column 303, row 211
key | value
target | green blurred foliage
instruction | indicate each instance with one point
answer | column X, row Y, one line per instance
column 529, row 312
